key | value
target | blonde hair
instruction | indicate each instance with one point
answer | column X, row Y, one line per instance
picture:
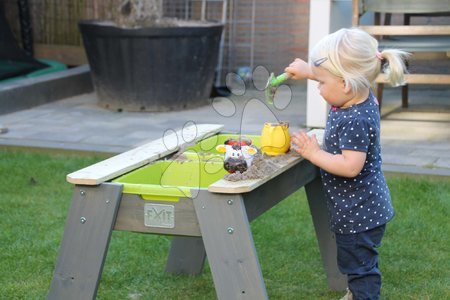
column 353, row 55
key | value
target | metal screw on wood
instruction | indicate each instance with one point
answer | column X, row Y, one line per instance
column 107, row 201
column 230, row 230
column 82, row 220
column 230, row 201
column 82, row 193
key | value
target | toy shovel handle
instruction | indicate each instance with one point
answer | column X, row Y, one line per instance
column 280, row 79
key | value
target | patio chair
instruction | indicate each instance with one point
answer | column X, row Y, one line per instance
column 425, row 42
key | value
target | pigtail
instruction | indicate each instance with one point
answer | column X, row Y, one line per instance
column 353, row 55
column 394, row 66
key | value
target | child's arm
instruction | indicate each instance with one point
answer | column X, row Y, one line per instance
column 348, row 164
column 300, row 69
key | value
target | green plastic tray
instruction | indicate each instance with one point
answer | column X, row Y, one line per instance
column 208, row 145
column 170, row 180
column 206, row 149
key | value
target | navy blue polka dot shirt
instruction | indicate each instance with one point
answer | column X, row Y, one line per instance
column 363, row 202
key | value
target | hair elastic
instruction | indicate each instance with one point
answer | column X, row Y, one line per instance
column 379, row 55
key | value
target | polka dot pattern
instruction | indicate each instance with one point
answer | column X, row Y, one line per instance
column 363, row 202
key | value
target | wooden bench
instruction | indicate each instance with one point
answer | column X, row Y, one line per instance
column 425, row 42
column 215, row 223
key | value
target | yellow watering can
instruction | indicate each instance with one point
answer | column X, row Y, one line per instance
column 275, row 138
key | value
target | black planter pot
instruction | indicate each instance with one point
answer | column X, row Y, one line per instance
column 154, row 68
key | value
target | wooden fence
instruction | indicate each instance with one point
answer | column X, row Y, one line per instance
column 258, row 32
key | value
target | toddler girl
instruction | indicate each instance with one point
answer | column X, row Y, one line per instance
column 345, row 64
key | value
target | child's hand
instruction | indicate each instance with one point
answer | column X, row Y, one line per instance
column 305, row 145
column 299, row 69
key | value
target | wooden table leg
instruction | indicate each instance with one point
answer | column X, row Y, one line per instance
column 87, row 233
column 327, row 244
column 187, row 255
column 229, row 245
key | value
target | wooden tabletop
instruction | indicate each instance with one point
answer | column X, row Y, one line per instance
column 137, row 157
column 245, row 186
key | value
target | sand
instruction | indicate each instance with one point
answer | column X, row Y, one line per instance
column 262, row 166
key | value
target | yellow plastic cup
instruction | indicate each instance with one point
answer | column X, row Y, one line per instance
column 275, row 138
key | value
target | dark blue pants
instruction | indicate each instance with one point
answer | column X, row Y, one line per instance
column 358, row 258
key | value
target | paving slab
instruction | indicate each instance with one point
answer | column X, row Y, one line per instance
column 422, row 161
column 442, row 162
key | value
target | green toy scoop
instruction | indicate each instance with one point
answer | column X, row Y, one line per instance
column 272, row 85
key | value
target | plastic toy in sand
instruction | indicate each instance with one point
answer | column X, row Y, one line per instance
column 239, row 154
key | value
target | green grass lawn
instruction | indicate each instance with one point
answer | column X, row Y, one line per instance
column 34, row 200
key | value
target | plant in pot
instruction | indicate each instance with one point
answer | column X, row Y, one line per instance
column 141, row 61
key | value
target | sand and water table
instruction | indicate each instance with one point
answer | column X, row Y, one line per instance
column 150, row 190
